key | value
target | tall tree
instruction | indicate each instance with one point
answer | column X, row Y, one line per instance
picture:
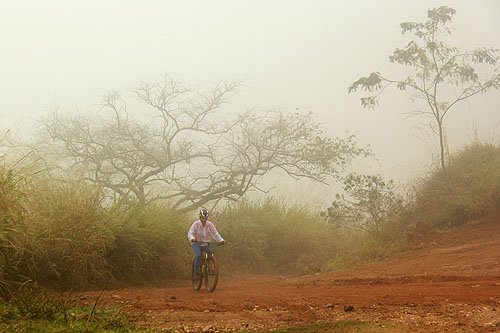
column 188, row 149
column 436, row 67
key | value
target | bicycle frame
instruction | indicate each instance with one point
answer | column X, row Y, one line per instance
column 209, row 269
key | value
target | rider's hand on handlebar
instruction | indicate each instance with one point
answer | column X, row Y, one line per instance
column 193, row 240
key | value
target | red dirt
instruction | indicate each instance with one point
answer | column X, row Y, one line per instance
column 445, row 282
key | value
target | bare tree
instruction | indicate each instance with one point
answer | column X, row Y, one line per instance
column 188, row 149
column 437, row 68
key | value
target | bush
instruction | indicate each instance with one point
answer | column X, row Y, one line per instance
column 369, row 202
column 472, row 191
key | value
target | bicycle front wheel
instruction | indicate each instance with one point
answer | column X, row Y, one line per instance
column 211, row 274
column 196, row 279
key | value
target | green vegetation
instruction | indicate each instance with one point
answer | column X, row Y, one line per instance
column 69, row 236
column 149, row 243
column 65, row 236
column 474, row 189
column 369, row 203
column 269, row 237
column 346, row 326
column 36, row 311
column 112, row 205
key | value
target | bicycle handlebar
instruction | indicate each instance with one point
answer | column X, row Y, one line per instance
column 201, row 243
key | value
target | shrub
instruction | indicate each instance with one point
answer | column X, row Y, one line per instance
column 472, row 192
column 368, row 203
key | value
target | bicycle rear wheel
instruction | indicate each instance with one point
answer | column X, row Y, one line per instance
column 211, row 271
column 196, row 279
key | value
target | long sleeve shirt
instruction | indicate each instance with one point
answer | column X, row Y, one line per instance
column 204, row 233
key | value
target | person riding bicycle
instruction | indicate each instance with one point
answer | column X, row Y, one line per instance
column 202, row 230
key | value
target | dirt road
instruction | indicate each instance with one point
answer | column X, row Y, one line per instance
column 447, row 282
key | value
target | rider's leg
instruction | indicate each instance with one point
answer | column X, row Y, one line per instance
column 197, row 256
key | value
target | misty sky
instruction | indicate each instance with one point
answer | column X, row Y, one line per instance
column 293, row 54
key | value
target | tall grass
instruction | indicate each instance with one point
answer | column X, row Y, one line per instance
column 473, row 189
column 150, row 243
column 33, row 310
column 62, row 236
column 269, row 237
column 11, row 224
column 69, row 238
column 355, row 248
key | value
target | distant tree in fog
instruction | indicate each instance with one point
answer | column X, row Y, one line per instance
column 186, row 147
column 443, row 75
column 369, row 202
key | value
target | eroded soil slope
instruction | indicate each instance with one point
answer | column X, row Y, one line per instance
column 445, row 282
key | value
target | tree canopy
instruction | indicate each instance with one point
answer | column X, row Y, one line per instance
column 437, row 67
column 369, row 201
column 187, row 148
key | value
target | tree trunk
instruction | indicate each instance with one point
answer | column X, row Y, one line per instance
column 442, row 151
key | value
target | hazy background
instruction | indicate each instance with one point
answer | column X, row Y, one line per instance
column 293, row 54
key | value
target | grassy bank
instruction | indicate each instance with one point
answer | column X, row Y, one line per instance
column 69, row 236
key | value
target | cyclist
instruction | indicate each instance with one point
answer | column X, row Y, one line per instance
column 202, row 230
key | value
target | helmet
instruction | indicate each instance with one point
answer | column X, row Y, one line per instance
column 203, row 213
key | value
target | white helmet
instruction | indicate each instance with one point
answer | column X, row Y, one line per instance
column 203, row 213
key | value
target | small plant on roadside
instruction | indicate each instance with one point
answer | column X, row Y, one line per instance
column 35, row 310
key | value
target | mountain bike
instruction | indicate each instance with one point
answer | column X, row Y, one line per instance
column 208, row 270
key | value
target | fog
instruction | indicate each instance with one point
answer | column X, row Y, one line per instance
column 292, row 54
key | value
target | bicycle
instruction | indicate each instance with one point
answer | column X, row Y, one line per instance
column 208, row 270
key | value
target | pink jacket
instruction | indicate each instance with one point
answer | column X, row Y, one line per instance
column 204, row 233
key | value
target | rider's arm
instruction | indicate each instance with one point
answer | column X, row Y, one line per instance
column 215, row 234
column 190, row 234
